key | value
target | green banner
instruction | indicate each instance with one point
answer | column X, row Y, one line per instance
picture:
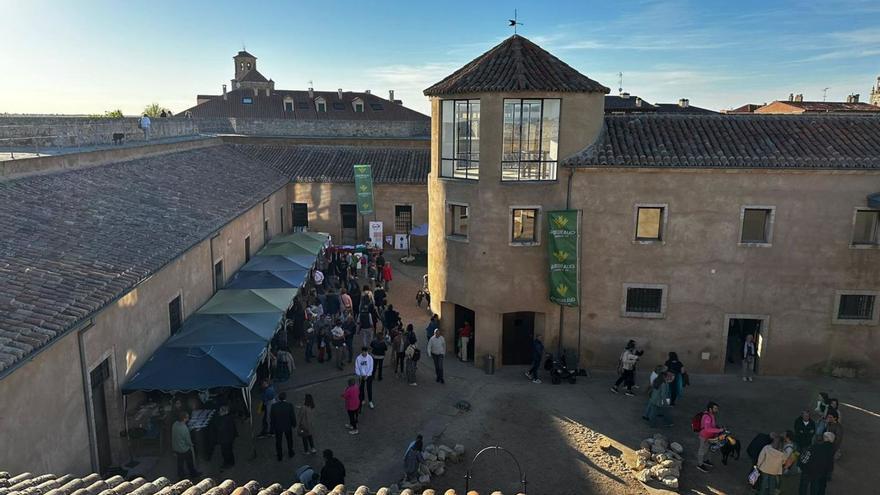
column 562, row 241
column 363, row 186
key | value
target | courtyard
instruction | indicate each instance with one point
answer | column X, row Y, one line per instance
column 555, row 432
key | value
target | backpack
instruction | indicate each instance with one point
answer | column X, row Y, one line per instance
column 697, row 421
column 416, row 355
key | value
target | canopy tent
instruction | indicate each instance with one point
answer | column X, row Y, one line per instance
column 242, row 328
column 278, row 263
column 302, row 239
column 420, row 230
column 291, row 251
column 231, row 301
column 287, row 279
column 178, row 369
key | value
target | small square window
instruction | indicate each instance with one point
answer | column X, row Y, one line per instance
column 524, row 226
column 856, row 307
column 642, row 300
column 247, row 100
column 756, row 225
column 866, row 227
column 288, row 106
column 359, row 107
column 458, row 221
column 649, row 223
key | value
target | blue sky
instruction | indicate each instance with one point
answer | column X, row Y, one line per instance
column 87, row 56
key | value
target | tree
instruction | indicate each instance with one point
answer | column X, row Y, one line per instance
column 113, row 114
column 154, row 110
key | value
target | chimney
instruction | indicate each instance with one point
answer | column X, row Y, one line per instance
column 224, row 91
column 852, row 98
column 367, row 91
column 391, row 95
column 638, row 102
column 624, row 95
column 339, row 93
column 683, row 102
column 311, row 92
column 791, row 97
column 799, row 97
column 267, row 91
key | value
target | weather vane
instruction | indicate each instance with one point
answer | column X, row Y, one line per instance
column 514, row 22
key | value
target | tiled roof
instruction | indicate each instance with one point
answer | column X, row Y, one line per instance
column 253, row 75
column 272, row 106
column 93, row 484
column 516, row 64
column 735, row 141
column 676, row 108
column 631, row 103
column 822, row 107
column 747, row 108
column 72, row 242
column 244, row 53
column 322, row 163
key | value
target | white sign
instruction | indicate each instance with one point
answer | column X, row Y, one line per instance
column 376, row 233
column 401, row 241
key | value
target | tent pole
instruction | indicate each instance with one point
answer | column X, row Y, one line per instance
column 245, row 392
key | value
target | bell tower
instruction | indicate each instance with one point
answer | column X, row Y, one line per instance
column 875, row 94
column 244, row 63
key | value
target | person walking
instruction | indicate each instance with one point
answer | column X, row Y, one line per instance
column 413, row 458
column 387, row 275
column 804, row 431
column 144, row 123
column 363, row 368
column 380, row 266
column 378, row 349
column 181, row 444
column 337, row 336
column 412, row 360
column 708, row 431
column 437, row 351
column 351, row 396
column 816, row 465
column 268, row 398
column 748, row 358
column 674, row 366
column 464, row 338
column 283, row 421
column 333, row 472
column 537, row 355
column 659, row 399
column 398, row 349
column 346, row 301
column 226, row 435
column 770, row 464
column 380, row 298
column 391, row 318
column 434, row 324
column 349, row 326
column 304, row 414
column 627, row 368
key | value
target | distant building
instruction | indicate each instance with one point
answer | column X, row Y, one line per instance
column 797, row 105
column 626, row 104
column 747, row 108
column 875, row 93
column 251, row 95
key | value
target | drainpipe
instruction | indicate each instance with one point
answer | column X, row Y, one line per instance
column 90, row 415
column 562, row 308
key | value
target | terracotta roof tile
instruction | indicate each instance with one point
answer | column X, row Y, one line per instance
column 516, row 64
column 253, row 75
column 735, row 141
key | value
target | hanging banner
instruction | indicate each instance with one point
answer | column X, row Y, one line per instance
column 562, row 242
column 363, row 186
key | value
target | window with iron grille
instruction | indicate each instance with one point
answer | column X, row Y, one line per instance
column 175, row 315
column 856, row 307
column 643, row 300
column 402, row 219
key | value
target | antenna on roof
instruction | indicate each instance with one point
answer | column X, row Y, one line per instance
column 620, row 82
column 825, row 93
column 514, row 22
column 243, row 47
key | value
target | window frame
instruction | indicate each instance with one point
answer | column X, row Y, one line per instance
column 519, row 163
column 472, row 170
column 221, row 282
column 397, row 218
column 875, row 244
column 177, row 296
column 319, row 102
column 247, row 248
column 247, row 100
column 293, row 214
column 769, row 226
column 289, row 101
column 875, row 311
column 357, row 102
column 537, row 238
column 450, row 223
column 638, row 314
column 664, row 215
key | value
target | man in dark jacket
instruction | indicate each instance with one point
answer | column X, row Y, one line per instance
column 804, row 431
column 537, row 354
column 283, row 421
column 816, row 465
column 226, row 434
column 392, row 318
column 333, row 472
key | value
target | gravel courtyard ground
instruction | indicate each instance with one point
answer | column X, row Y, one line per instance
column 554, row 431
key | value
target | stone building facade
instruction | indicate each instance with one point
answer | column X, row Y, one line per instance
column 695, row 229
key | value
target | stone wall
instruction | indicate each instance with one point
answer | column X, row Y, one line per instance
column 35, row 133
column 316, row 128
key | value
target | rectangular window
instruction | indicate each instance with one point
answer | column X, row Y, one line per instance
column 349, row 216
column 458, row 220
column 281, row 219
column 247, row 249
column 649, row 223
column 524, row 226
column 175, row 315
column 460, row 139
column 300, row 216
column 402, row 219
column 530, row 141
column 218, row 275
column 856, row 307
column 642, row 300
column 288, row 106
column 359, row 107
column 247, row 100
column 265, row 230
column 866, row 227
column 757, row 225
column 322, row 107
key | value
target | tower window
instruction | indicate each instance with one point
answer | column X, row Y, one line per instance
column 530, row 140
column 460, row 139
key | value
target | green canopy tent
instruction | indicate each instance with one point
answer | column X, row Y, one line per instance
column 230, row 301
column 306, row 240
column 291, row 249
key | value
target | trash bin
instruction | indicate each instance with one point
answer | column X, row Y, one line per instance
column 489, row 364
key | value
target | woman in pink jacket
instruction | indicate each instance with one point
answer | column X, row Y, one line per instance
column 352, row 397
column 386, row 275
column 708, row 431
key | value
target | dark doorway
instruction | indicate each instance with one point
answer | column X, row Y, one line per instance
column 737, row 329
column 463, row 314
column 97, row 379
column 518, row 331
column 349, row 216
column 300, row 216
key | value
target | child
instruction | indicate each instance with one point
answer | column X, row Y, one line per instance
column 352, row 404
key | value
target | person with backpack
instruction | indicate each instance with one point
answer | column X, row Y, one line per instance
column 703, row 423
column 658, row 399
column 627, row 368
column 413, row 354
column 412, row 459
column 816, row 465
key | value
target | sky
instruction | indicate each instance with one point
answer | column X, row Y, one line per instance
column 90, row 56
